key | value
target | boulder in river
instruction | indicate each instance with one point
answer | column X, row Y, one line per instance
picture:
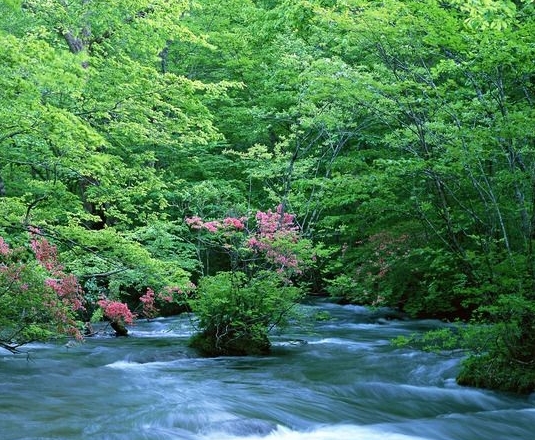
column 119, row 327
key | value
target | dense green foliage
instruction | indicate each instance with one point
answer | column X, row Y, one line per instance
column 400, row 134
column 236, row 313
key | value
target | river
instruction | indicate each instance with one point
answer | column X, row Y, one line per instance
column 336, row 379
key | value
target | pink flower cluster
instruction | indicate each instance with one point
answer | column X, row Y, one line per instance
column 284, row 260
column 170, row 293
column 149, row 306
column 68, row 290
column 116, row 311
column 274, row 238
column 62, row 294
column 271, row 223
column 4, row 248
column 167, row 295
column 46, row 253
column 276, row 233
column 196, row 222
column 65, row 285
column 236, row 223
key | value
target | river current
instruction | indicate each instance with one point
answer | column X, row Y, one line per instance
column 333, row 379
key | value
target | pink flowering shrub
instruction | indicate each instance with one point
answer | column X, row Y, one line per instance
column 68, row 292
column 45, row 253
column 152, row 301
column 116, row 311
column 236, row 309
column 272, row 223
column 276, row 238
column 148, row 302
column 65, row 285
column 4, row 248
column 236, row 223
column 38, row 299
column 168, row 295
column 274, row 244
column 171, row 294
column 228, row 223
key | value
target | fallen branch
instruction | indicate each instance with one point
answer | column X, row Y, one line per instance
column 9, row 347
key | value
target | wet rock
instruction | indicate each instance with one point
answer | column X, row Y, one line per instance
column 120, row 329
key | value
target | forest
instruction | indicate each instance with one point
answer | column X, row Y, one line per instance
column 230, row 157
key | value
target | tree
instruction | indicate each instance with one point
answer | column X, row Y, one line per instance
column 451, row 174
column 94, row 134
column 38, row 299
column 237, row 308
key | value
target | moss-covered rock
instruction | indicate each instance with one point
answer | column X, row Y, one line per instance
column 231, row 344
column 120, row 328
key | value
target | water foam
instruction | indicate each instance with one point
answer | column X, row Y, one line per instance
column 338, row 432
column 123, row 365
column 348, row 343
column 129, row 365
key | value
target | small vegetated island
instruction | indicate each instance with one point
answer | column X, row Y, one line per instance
column 230, row 157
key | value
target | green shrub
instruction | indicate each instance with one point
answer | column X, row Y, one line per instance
column 235, row 314
column 497, row 372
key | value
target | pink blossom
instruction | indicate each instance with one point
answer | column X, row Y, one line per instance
column 116, row 311
column 194, row 222
column 234, row 223
column 166, row 297
column 46, row 254
column 272, row 239
column 269, row 223
column 4, row 247
column 253, row 242
column 61, row 295
column 148, row 297
column 149, row 307
column 68, row 290
column 212, row 226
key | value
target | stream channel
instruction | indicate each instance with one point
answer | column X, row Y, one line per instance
column 335, row 379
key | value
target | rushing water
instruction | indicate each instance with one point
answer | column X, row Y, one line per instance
column 338, row 379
